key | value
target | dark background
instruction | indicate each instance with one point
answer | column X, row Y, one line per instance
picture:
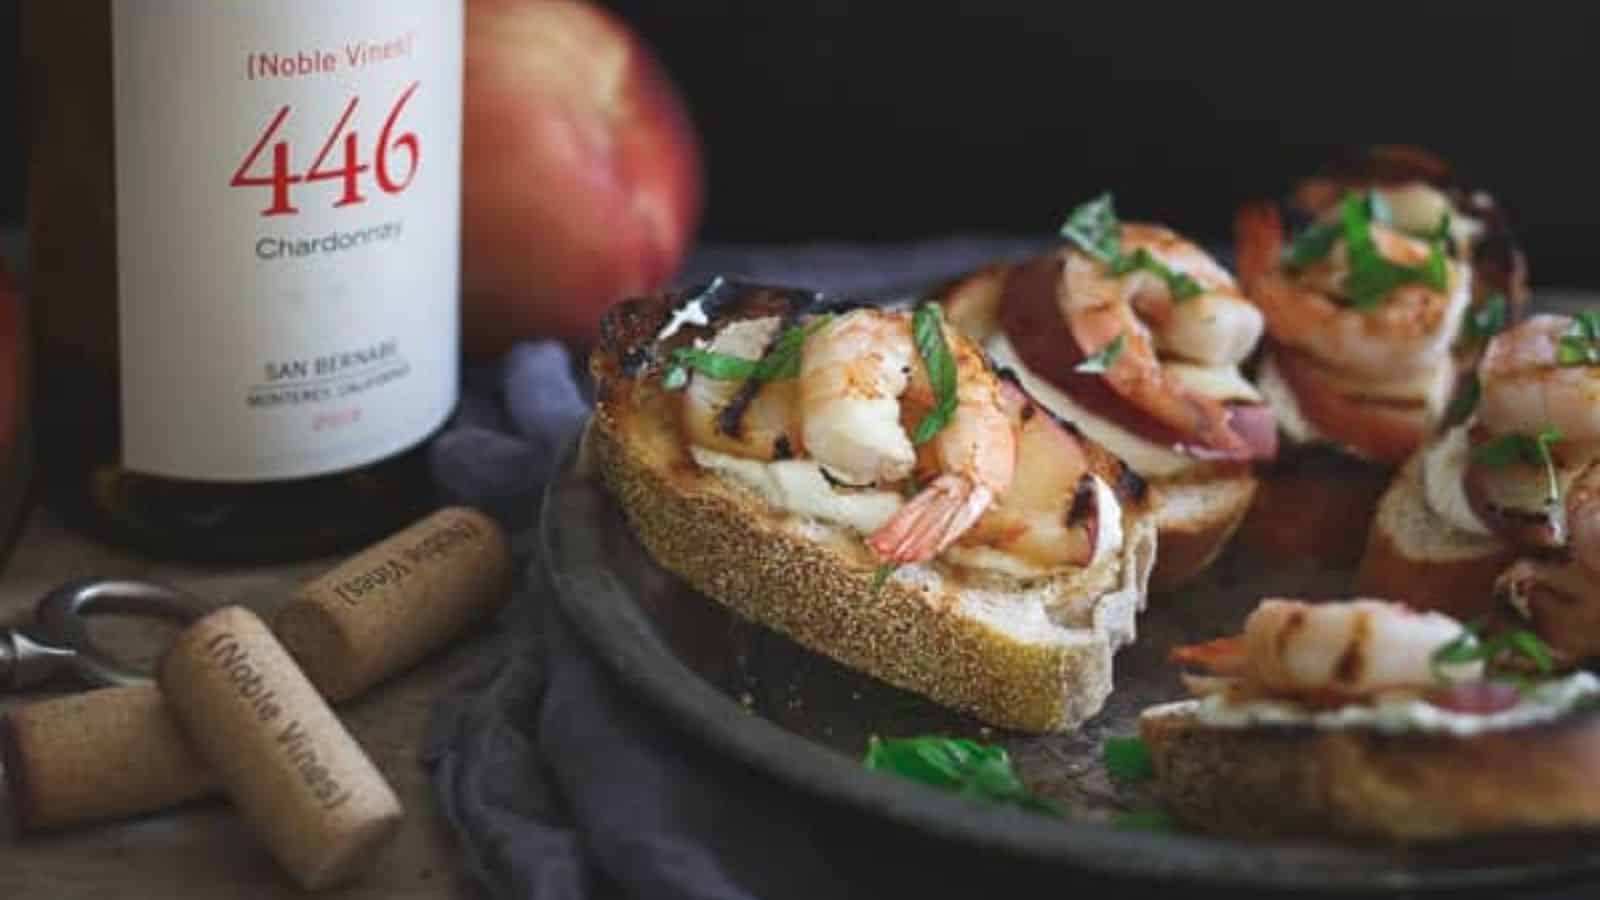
column 880, row 120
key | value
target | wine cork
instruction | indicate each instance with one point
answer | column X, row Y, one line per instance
column 96, row 756
column 277, row 748
column 385, row 608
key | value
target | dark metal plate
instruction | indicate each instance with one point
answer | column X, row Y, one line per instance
column 758, row 696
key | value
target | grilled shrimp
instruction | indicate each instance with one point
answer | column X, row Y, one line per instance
column 741, row 418
column 1412, row 330
column 1335, row 650
column 1050, row 518
column 854, row 374
column 1526, row 389
column 1217, row 327
column 1102, row 308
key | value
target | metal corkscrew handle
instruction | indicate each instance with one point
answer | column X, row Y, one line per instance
column 59, row 641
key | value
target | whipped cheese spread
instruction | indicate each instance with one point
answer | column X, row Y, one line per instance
column 1401, row 715
column 1148, row 458
column 1443, row 476
column 797, row 486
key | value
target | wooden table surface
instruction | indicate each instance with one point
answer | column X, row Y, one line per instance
column 205, row 850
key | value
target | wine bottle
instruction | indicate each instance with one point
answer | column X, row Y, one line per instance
column 243, row 260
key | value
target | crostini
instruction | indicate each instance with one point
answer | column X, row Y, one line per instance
column 1135, row 335
column 1504, row 508
column 1368, row 720
column 865, row 482
column 1394, row 276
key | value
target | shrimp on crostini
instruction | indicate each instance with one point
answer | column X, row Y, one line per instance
column 1410, row 331
column 1135, row 312
column 1216, row 327
column 1329, row 651
column 856, row 374
column 1526, row 388
column 1051, row 517
column 741, row 417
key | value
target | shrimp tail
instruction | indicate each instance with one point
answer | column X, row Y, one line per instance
column 1223, row 656
column 932, row 520
column 1257, row 241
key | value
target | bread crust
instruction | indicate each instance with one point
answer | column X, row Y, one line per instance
column 1314, row 506
column 916, row 631
column 1193, row 531
column 1361, row 784
column 1414, row 557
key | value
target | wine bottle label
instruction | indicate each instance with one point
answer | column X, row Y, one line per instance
column 288, row 228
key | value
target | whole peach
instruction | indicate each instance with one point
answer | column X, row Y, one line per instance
column 582, row 179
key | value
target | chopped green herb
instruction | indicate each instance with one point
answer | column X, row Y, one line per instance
column 1470, row 647
column 1313, row 244
column 1103, row 359
column 1440, row 232
column 881, row 576
column 1145, row 820
column 927, row 328
column 1579, row 347
column 1534, row 451
column 779, row 363
column 1128, row 758
column 1094, row 227
column 1182, row 286
column 1372, row 276
column 1489, row 318
column 965, row 767
column 1466, row 400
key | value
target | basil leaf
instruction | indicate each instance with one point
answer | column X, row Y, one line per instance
column 1488, row 319
column 1128, row 758
column 712, row 364
column 1578, row 346
column 927, row 328
column 1511, row 448
column 1372, row 276
column 1464, row 648
column 1103, row 359
column 1471, row 647
column 1466, row 401
column 1313, row 244
column 1093, row 226
column 1528, row 645
column 961, row 766
column 1182, row 286
column 1501, row 451
column 779, row 363
column 881, row 576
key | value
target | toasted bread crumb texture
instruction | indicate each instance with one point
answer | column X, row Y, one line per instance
column 1033, row 656
column 1413, row 556
column 1298, row 782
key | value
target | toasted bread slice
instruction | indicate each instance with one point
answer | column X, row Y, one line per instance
column 1361, row 784
column 1415, row 557
column 1314, row 506
column 1195, row 518
column 1032, row 654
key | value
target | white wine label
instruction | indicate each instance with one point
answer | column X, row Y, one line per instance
column 288, row 230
